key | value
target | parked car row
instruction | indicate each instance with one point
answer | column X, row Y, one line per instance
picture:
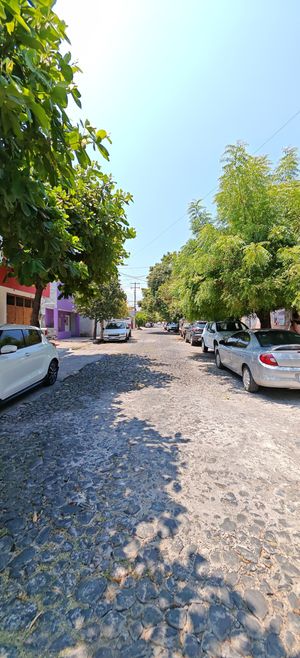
column 264, row 357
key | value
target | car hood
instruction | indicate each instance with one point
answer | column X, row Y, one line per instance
column 114, row 332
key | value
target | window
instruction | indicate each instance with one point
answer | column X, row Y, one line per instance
column 32, row 337
column 19, row 301
column 277, row 337
column 28, row 303
column 242, row 339
column 12, row 337
column 119, row 325
column 230, row 325
column 231, row 341
column 11, row 300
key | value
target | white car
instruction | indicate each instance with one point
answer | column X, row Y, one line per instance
column 213, row 332
column 116, row 331
column 26, row 359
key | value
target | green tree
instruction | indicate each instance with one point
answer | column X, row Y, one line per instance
column 85, row 241
column 39, row 144
column 247, row 259
column 141, row 318
column 158, row 299
column 102, row 303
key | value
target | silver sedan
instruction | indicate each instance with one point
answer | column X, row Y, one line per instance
column 266, row 357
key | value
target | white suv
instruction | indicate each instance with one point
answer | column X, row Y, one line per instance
column 26, row 359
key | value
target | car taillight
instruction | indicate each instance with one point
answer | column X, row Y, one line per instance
column 268, row 359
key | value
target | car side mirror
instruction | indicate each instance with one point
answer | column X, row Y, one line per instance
column 213, row 331
column 8, row 349
column 222, row 342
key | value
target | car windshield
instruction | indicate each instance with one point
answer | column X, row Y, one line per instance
column 200, row 324
column 277, row 337
column 229, row 325
column 116, row 325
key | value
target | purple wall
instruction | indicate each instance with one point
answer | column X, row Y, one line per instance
column 63, row 318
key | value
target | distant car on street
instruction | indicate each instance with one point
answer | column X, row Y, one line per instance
column 183, row 328
column 215, row 331
column 116, row 331
column 27, row 358
column 265, row 357
column 173, row 327
column 193, row 333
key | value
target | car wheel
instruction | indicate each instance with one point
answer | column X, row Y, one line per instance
column 204, row 348
column 186, row 340
column 52, row 373
column 215, row 345
column 250, row 384
column 192, row 342
column 219, row 363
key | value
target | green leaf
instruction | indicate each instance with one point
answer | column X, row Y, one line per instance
column 101, row 134
column 59, row 94
column 10, row 26
column 104, row 151
column 40, row 115
column 21, row 22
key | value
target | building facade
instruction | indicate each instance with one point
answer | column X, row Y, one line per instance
column 16, row 301
column 59, row 316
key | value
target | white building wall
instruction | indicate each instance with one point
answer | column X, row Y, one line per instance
column 86, row 326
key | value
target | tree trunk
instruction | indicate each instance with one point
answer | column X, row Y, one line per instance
column 95, row 328
column 101, row 329
column 37, row 304
column 265, row 321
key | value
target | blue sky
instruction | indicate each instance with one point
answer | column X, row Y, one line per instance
column 174, row 82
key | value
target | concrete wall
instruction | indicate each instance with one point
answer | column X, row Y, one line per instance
column 86, row 326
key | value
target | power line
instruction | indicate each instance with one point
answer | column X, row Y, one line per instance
column 216, row 187
column 277, row 131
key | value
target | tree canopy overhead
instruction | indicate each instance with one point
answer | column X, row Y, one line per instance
column 39, row 142
column 62, row 218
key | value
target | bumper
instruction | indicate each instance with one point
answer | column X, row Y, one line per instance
column 197, row 338
column 114, row 339
column 277, row 377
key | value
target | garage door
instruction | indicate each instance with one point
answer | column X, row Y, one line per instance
column 19, row 309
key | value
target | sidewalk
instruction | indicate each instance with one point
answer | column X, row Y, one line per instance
column 75, row 353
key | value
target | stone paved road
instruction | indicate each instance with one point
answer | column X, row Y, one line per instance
column 150, row 508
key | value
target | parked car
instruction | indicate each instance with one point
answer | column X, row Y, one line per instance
column 183, row 328
column 193, row 333
column 27, row 358
column 116, row 331
column 215, row 331
column 128, row 323
column 173, row 327
column 265, row 357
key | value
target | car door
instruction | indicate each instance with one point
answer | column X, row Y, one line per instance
column 239, row 344
column 225, row 349
column 14, row 366
column 37, row 355
column 211, row 331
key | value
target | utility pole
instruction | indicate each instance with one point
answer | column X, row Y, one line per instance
column 134, row 286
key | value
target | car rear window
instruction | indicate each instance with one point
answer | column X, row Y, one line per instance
column 229, row 325
column 277, row 337
column 116, row 325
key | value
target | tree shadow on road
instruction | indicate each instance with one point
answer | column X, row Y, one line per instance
column 103, row 556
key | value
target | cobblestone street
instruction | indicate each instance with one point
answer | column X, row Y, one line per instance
column 150, row 507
